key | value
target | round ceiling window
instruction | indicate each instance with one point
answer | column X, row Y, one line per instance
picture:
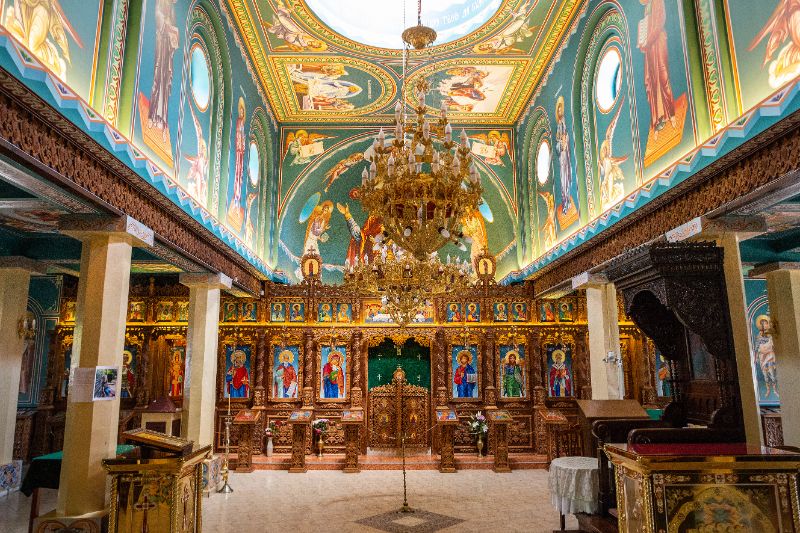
column 200, row 78
column 609, row 80
column 543, row 161
column 452, row 19
column 252, row 164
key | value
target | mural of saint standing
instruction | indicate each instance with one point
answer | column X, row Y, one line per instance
column 653, row 44
column 285, row 28
column 564, row 161
column 176, row 368
column 783, row 59
column 548, row 227
column 167, row 40
column 473, row 226
column 284, row 377
column 235, row 211
column 128, row 377
column 237, row 378
column 333, row 374
column 465, row 379
column 42, row 26
column 764, row 354
column 612, row 180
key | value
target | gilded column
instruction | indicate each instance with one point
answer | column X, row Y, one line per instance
column 259, row 396
column 309, row 347
column 490, row 390
column 440, row 356
column 356, row 395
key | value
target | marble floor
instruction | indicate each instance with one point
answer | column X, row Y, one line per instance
column 273, row 501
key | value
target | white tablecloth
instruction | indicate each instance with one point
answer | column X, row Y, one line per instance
column 573, row 484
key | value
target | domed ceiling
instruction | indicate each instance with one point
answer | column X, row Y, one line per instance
column 341, row 61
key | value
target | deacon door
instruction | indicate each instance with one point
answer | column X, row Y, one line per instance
column 399, row 396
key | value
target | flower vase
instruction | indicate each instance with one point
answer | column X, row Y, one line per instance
column 480, row 445
column 321, row 444
column 269, row 446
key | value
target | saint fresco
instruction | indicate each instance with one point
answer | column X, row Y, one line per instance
column 333, row 372
column 237, row 372
column 513, row 374
column 472, row 88
column 285, row 373
column 465, row 376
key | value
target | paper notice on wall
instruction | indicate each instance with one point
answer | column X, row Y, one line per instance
column 483, row 150
column 81, row 384
column 309, row 150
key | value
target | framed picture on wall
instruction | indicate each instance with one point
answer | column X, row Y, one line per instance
column 547, row 311
column 325, row 312
column 464, row 372
column 183, row 311
column 286, row 374
column 453, row 312
column 512, row 371
column 249, row 312
column 500, row 310
column 333, row 381
column 297, row 312
column 237, row 372
column 176, row 369
column 164, row 311
column 344, row 313
column 230, row 312
column 566, row 311
column 136, row 311
column 473, row 312
column 277, row 312
column 519, row 312
column 560, row 379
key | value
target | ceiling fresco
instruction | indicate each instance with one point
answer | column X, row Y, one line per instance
column 318, row 62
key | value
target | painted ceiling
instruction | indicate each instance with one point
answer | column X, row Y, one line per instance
column 340, row 61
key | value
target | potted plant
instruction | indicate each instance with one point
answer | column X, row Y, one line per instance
column 271, row 431
column 479, row 427
column 320, row 428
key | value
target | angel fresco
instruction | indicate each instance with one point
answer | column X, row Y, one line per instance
column 296, row 140
column 783, row 25
column 516, row 31
column 362, row 238
column 474, row 227
column 499, row 141
column 42, row 27
column 198, row 171
column 318, row 224
column 341, row 167
column 286, row 29
column 612, row 180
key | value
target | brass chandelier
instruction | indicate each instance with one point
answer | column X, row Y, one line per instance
column 421, row 189
column 421, row 192
column 406, row 284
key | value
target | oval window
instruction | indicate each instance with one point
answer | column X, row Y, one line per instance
column 609, row 80
column 543, row 161
column 253, row 164
column 200, row 78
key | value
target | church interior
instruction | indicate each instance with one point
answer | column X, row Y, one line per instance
column 397, row 265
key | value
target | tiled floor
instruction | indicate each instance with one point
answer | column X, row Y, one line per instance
column 276, row 501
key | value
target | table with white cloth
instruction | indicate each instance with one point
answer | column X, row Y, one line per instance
column 573, row 485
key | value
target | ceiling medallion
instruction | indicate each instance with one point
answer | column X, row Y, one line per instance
column 419, row 36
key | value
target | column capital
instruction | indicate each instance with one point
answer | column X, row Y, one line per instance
column 589, row 279
column 711, row 228
column 18, row 262
column 209, row 281
column 83, row 227
column 759, row 271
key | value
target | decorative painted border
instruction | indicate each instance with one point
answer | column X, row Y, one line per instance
column 25, row 67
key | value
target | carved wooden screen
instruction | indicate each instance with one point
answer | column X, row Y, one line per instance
column 395, row 408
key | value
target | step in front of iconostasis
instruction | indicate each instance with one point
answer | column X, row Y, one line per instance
column 390, row 462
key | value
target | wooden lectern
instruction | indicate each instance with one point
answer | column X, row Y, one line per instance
column 246, row 420
column 301, row 422
column 352, row 420
column 591, row 410
column 447, row 421
column 499, row 420
column 161, row 491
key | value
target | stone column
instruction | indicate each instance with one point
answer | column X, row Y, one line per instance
column 603, row 322
column 201, row 355
column 783, row 291
column 90, row 433
column 15, row 277
column 727, row 232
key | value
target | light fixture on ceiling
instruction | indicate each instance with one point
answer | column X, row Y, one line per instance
column 419, row 36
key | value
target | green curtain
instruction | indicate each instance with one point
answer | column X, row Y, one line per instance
column 414, row 359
